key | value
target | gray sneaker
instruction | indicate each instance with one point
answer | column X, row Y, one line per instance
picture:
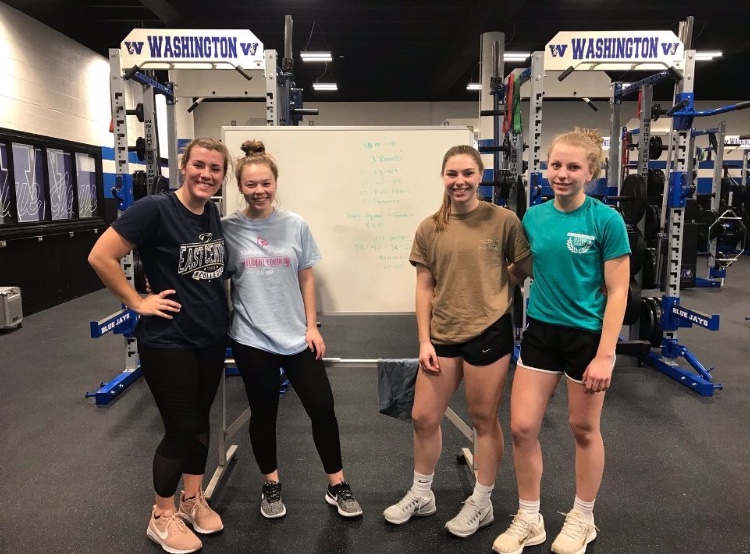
column 410, row 505
column 271, row 505
column 341, row 496
column 471, row 518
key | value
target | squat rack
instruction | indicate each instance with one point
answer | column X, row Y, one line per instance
column 571, row 51
column 142, row 52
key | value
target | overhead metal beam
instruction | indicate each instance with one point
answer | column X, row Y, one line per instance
column 465, row 48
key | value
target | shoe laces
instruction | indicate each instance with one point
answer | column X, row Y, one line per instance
column 409, row 501
column 343, row 492
column 575, row 526
column 174, row 523
column 519, row 527
column 470, row 512
column 272, row 491
column 201, row 504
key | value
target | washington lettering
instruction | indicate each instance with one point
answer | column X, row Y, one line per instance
column 620, row 48
column 203, row 47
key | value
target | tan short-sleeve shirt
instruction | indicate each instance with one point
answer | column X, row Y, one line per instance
column 468, row 260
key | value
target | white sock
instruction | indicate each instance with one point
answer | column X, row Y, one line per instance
column 422, row 484
column 529, row 508
column 586, row 508
column 482, row 494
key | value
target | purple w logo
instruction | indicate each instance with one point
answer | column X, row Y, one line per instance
column 134, row 47
column 670, row 48
column 558, row 50
column 249, row 47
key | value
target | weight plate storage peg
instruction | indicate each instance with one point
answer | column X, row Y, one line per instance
column 632, row 199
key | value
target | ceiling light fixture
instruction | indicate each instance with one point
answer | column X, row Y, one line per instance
column 474, row 86
column 325, row 86
column 707, row 55
column 315, row 56
column 516, row 56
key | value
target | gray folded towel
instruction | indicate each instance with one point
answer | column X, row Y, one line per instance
column 396, row 379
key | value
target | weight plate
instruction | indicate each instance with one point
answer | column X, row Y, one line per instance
column 648, row 277
column 633, row 307
column 633, row 199
column 637, row 250
column 647, row 320
column 658, row 332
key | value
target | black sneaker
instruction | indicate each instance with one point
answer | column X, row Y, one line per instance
column 341, row 496
column 271, row 505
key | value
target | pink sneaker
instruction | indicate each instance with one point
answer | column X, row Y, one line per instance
column 199, row 514
column 169, row 531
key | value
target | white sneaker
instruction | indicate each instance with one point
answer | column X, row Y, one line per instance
column 410, row 505
column 521, row 533
column 471, row 518
column 576, row 533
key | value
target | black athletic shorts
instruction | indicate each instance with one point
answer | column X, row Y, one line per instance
column 557, row 349
column 495, row 342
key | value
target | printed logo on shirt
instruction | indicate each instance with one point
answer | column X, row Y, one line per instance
column 580, row 244
column 490, row 244
column 202, row 260
column 274, row 261
column 262, row 242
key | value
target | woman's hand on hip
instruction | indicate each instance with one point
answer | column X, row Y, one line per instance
column 158, row 305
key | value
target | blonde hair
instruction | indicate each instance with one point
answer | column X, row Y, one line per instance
column 255, row 153
column 590, row 140
column 441, row 217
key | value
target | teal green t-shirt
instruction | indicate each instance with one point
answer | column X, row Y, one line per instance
column 569, row 250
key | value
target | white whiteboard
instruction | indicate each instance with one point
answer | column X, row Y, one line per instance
column 363, row 191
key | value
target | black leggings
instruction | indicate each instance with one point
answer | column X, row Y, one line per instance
column 183, row 383
column 260, row 373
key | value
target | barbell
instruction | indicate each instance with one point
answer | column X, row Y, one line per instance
column 655, row 146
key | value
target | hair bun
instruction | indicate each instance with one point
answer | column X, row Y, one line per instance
column 594, row 135
column 253, row 147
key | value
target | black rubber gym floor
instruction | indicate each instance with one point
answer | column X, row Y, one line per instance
column 75, row 478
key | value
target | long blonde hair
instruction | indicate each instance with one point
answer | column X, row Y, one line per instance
column 441, row 217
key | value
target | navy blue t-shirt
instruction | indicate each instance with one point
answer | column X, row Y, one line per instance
column 183, row 251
